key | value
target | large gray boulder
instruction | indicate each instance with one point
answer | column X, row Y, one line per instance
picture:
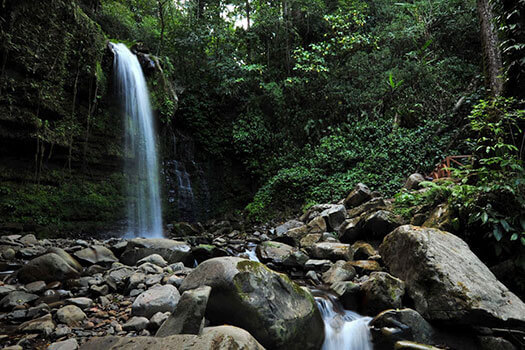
column 447, row 281
column 48, row 267
column 360, row 194
column 382, row 291
column 216, row 338
column 276, row 311
column 172, row 251
column 280, row 254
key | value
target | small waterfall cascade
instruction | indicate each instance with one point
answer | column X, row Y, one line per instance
column 184, row 184
column 344, row 329
column 141, row 168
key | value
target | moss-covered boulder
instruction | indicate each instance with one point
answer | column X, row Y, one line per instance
column 447, row 281
column 276, row 311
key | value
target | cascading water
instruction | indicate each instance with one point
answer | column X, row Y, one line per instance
column 344, row 330
column 142, row 170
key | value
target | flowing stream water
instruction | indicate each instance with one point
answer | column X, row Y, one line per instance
column 142, row 169
column 344, row 329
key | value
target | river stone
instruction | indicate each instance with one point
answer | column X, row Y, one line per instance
column 16, row 298
column 413, row 181
column 155, row 259
column 360, row 194
column 334, row 216
column 43, row 325
column 156, row 299
column 365, row 267
column 48, row 267
column 363, row 250
column 340, row 271
column 136, row 323
column 216, row 338
column 188, row 317
column 282, row 229
column 96, row 254
column 407, row 324
column 316, row 225
column 117, row 277
column 381, row 223
column 29, row 239
column 70, row 344
column 36, row 287
column 382, row 291
column 280, row 254
column 71, row 315
column 275, row 310
column 351, row 230
column 172, row 251
column 66, row 257
column 82, row 302
column 446, row 280
column 332, row 250
column 372, row 205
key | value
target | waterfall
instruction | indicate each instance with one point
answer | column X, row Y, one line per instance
column 344, row 329
column 142, row 170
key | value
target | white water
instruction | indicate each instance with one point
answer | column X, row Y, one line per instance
column 344, row 330
column 142, row 170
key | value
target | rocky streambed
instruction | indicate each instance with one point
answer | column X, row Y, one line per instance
column 224, row 285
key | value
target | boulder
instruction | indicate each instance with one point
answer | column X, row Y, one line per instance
column 95, row 255
column 332, row 251
column 446, row 281
column 363, row 250
column 360, row 194
column 69, row 344
column 381, row 223
column 413, row 181
column 155, row 259
column 372, row 205
column 365, row 267
column 442, row 217
column 172, row 251
column 349, row 293
column 216, row 338
column 207, row 251
column 16, row 298
column 71, row 315
column 308, row 241
column 136, row 323
column 275, row 310
column 334, row 216
column 282, row 229
column 188, row 317
column 42, row 324
column 66, row 257
column 316, row 225
column 48, row 267
column 156, row 299
column 351, row 230
column 382, row 291
column 280, row 254
column 118, row 277
column 340, row 271
column 183, row 229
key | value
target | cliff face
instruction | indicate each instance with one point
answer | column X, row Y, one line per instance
column 60, row 134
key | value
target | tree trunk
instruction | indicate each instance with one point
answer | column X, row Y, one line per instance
column 492, row 55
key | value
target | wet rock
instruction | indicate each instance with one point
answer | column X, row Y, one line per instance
column 156, row 299
column 149, row 268
column 183, row 229
column 71, row 315
column 280, row 254
column 381, row 223
column 391, row 326
column 6, row 289
column 29, row 239
column 188, row 316
column 382, row 291
column 276, row 311
column 414, row 181
column 316, row 225
column 66, row 257
column 365, row 266
column 374, row 204
column 70, row 344
column 158, row 319
column 16, row 298
column 334, row 216
column 340, row 271
column 363, row 250
column 36, row 287
column 48, row 267
column 217, row 338
column 42, row 324
column 446, row 280
column 312, row 275
column 204, row 252
column 96, row 254
column 442, row 218
column 31, row 252
column 118, row 277
column 360, row 194
column 349, row 293
column 332, row 251
column 155, row 259
column 309, row 240
column 495, row 343
column 318, row 265
column 7, row 253
column 351, row 230
column 282, row 229
column 136, row 323
column 82, row 302
column 139, row 248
